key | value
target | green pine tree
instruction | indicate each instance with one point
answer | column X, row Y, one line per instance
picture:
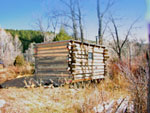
column 62, row 35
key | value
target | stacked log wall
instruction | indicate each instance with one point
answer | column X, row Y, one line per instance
column 51, row 61
column 84, row 68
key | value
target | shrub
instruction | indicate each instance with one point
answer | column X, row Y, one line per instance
column 19, row 61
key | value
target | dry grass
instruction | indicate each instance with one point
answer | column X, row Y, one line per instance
column 12, row 72
column 64, row 100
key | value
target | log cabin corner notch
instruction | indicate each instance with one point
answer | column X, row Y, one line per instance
column 70, row 60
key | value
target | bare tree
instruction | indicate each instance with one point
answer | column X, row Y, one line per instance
column 80, row 21
column 44, row 28
column 118, row 41
column 100, row 15
column 72, row 15
column 54, row 25
column 9, row 47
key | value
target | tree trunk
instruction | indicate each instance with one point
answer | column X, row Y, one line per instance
column 80, row 22
column 99, row 23
column 148, row 85
column 73, row 17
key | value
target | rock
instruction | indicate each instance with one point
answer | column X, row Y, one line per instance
column 2, row 103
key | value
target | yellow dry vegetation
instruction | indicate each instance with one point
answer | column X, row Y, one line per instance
column 63, row 99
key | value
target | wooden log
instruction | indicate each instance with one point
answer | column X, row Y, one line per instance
column 75, row 66
column 88, row 77
column 52, row 69
column 98, row 77
column 92, row 64
column 85, row 46
column 52, row 72
column 88, row 71
column 52, row 66
column 86, row 61
column 123, row 106
column 86, row 56
column 53, row 44
column 81, row 79
column 92, row 73
column 106, row 56
column 83, row 52
column 88, row 67
column 86, row 49
column 52, row 51
column 50, row 48
column 52, row 62
column 53, row 75
column 48, row 55
column 52, row 58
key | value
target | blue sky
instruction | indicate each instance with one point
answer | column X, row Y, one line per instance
column 20, row 14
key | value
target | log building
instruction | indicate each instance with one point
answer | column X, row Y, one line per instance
column 70, row 60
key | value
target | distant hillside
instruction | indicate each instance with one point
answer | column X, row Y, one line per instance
column 27, row 37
